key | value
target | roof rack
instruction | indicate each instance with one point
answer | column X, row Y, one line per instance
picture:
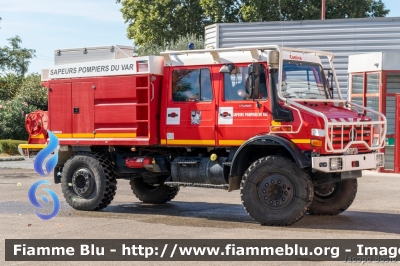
column 215, row 53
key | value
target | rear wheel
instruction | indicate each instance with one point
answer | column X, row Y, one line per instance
column 155, row 193
column 333, row 198
column 88, row 181
column 275, row 191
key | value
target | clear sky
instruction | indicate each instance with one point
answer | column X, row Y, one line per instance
column 47, row 25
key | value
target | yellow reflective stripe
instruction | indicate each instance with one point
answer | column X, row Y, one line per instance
column 191, row 142
column 40, row 136
column 82, row 135
column 231, row 142
column 98, row 135
column 63, row 136
column 274, row 123
column 301, row 141
column 115, row 135
column 32, row 146
column 221, row 142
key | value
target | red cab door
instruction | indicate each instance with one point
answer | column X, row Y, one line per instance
column 190, row 108
column 240, row 118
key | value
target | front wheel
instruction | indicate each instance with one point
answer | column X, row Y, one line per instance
column 333, row 198
column 275, row 191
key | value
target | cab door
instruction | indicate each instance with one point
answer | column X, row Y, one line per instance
column 190, row 109
column 240, row 118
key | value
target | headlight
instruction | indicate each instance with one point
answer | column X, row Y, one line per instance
column 335, row 163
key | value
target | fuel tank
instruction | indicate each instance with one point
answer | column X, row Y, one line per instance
column 199, row 170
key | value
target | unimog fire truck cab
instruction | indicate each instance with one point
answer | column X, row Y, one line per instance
column 262, row 119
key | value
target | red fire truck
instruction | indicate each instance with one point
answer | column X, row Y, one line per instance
column 263, row 119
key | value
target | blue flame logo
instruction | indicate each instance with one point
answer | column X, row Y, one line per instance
column 47, row 152
column 50, row 165
column 35, row 202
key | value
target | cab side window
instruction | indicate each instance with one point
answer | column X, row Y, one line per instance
column 191, row 85
column 236, row 84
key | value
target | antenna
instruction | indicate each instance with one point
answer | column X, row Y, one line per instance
column 280, row 16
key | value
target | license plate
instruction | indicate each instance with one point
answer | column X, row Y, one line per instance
column 351, row 151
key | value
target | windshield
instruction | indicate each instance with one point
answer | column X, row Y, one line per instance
column 303, row 80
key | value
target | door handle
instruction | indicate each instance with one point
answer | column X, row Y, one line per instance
column 152, row 91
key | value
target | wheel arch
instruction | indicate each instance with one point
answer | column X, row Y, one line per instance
column 264, row 143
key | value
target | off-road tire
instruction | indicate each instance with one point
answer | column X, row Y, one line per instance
column 88, row 181
column 333, row 198
column 152, row 193
column 275, row 191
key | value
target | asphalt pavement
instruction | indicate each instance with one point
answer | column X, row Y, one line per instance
column 194, row 213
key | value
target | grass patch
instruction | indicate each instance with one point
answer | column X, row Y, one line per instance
column 10, row 147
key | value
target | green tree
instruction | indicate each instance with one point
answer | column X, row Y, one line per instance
column 14, row 58
column 12, row 118
column 159, row 22
column 180, row 44
column 355, row 9
column 220, row 11
column 32, row 92
column 261, row 10
column 19, row 94
column 270, row 10
column 9, row 85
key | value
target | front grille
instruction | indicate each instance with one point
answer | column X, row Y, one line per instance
column 342, row 135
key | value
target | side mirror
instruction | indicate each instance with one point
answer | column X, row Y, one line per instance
column 254, row 69
column 254, row 72
column 330, row 84
column 228, row 68
column 331, row 92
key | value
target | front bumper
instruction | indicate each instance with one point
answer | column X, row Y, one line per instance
column 343, row 163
